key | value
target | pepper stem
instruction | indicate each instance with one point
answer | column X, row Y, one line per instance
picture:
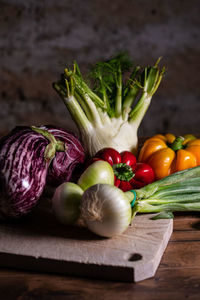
column 177, row 143
column 123, row 172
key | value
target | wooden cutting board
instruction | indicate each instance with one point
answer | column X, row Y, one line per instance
column 38, row 242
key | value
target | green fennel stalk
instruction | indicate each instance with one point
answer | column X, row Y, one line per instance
column 103, row 110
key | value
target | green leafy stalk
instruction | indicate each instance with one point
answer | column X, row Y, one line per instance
column 149, row 82
column 103, row 109
column 163, row 215
column 144, row 207
column 177, row 192
column 165, row 182
column 181, row 198
column 118, row 101
column 73, row 106
column 131, row 91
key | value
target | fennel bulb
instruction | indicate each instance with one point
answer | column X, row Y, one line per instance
column 104, row 113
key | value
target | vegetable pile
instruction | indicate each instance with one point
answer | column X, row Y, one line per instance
column 117, row 181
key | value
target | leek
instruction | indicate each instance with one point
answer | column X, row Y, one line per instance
column 177, row 192
column 103, row 110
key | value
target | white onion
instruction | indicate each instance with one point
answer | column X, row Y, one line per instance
column 106, row 210
column 66, row 202
column 98, row 172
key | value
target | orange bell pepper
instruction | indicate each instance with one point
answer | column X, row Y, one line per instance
column 168, row 154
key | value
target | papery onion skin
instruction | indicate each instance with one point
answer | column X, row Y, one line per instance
column 64, row 163
column 66, row 203
column 98, row 172
column 106, row 210
column 23, row 171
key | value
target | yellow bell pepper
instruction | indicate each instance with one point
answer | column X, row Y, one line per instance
column 168, row 154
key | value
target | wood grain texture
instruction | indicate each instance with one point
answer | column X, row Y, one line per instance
column 174, row 279
column 39, row 243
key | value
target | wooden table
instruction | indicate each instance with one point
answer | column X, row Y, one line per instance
column 178, row 276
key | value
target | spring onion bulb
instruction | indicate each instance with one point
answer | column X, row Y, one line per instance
column 104, row 112
column 106, row 210
column 98, row 172
column 66, row 203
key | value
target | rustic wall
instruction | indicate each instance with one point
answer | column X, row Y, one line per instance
column 37, row 39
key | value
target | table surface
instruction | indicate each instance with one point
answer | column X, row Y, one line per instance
column 178, row 276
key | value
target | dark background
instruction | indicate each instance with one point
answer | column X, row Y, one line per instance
column 38, row 38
